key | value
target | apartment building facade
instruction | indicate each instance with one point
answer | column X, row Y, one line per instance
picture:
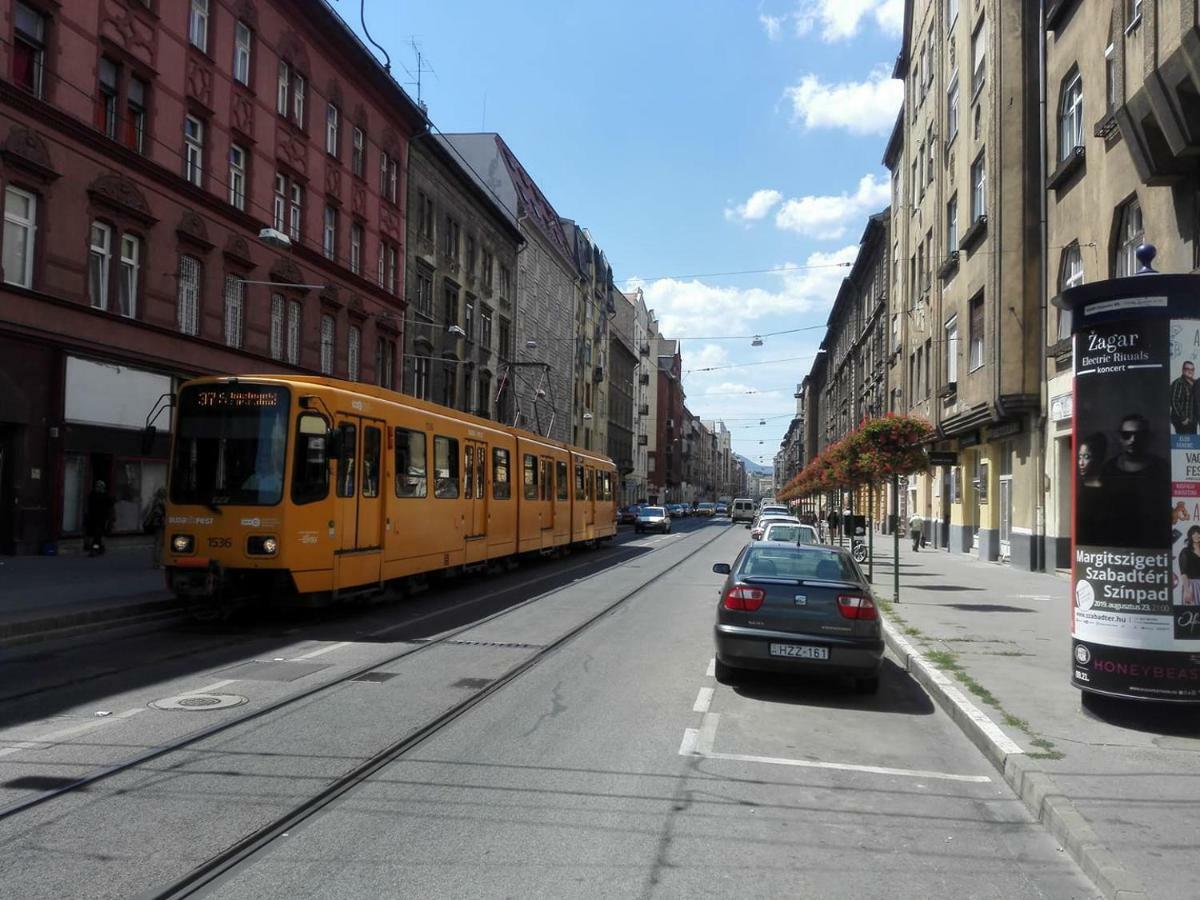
column 144, row 152
column 622, row 385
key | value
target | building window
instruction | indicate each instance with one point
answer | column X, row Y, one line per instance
column 952, row 225
column 978, row 188
column 470, row 262
column 385, row 362
column 976, row 335
column 485, row 328
column 237, row 176
column 354, row 353
column 29, row 49
column 241, row 52
column 298, row 88
column 387, row 266
column 329, row 233
column 951, row 11
column 189, row 295
column 99, row 258
column 278, row 312
column 1070, row 115
column 331, row 130
column 235, row 296
column 127, row 286
column 193, row 150
column 359, row 154
column 106, row 97
column 449, row 305
column 469, row 319
column 135, row 106
column 1070, row 275
column 283, row 86
column 505, row 348
column 424, row 291
column 928, row 365
column 450, row 239
column 294, row 311
column 931, row 150
column 327, row 338
column 388, row 176
column 978, row 56
column 421, row 377
column 1133, row 11
column 198, row 25
column 1110, row 78
column 505, row 283
column 1129, row 237
column 484, row 407
column 296, row 212
column 449, row 385
column 952, row 350
column 356, row 240
column 279, row 209
column 424, row 215
column 952, row 109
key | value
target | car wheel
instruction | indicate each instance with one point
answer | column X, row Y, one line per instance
column 869, row 685
column 725, row 674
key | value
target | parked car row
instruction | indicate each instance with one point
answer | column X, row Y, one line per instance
column 628, row 515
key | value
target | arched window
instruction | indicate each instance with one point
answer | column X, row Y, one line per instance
column 1070, row 274
column 1070, row 115
column 1130, row 236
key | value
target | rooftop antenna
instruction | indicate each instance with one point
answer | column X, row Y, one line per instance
column 362, row 16
column 421, row 68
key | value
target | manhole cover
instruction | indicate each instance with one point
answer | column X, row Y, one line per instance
column 197, row 702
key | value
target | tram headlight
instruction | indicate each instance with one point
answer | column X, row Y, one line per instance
column 262, row 545
column 183, row 543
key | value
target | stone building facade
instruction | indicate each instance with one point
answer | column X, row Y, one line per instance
column 144, row 149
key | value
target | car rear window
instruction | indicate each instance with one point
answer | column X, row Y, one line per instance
column 653, row 511
column 807, row 563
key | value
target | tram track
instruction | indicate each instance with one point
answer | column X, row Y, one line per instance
column 225, row 863
column 392, row 751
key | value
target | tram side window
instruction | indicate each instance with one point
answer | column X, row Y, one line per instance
column 411, row 478
column 501, row 489
column 531, row 473
column 445, row 467
column 481, row 454
column 371, row 457
column 562, row 483
column 580, row 493
column 545, row 476
column 469, row 471
column 310, row 471
column 346, row 474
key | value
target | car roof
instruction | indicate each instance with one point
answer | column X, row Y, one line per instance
column 796, row 548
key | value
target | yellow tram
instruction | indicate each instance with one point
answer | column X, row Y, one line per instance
column 314, row 489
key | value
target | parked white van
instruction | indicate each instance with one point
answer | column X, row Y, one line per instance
column 742, row 510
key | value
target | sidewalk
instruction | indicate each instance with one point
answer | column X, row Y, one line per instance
column 47, row 594
column 1119, row 785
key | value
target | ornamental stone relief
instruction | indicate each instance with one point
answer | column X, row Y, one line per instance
column 292, row 148
column 199, row 81
column 24, row 145
column 120, row 192
column 360, row 200
column 247, row 12
column 126, row 29
column 333, row 181
column 389, row 223
column 191, row 225
column 242, row 112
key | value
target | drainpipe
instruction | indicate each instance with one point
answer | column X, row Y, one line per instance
column 1038, row 561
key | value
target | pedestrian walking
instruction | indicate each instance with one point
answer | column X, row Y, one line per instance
column 98, row 518
column 155, row 522
column 915, row 524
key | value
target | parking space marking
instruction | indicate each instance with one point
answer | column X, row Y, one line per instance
column 209, row 688
column 708, row 733
column 321, row 651
column 711, row 672
column 47, row 740
column 841, row 767
column 703, row 700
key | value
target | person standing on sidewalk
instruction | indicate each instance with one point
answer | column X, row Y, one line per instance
column 98, row 517
column 915, row 525
column 156, row 519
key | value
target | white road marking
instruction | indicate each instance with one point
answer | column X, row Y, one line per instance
column 703, row 700
column 844, row 767
column 208, row 689
column 708, row 733
column 688, row 747
column 321, row 651
column 712, row 668
column 54, row 736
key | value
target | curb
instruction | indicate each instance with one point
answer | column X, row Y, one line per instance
column 1043, row 798
column 70, row 623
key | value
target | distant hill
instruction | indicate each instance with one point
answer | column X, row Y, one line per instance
column 754, row 467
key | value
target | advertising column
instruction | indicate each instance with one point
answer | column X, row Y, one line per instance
column 1135, row 613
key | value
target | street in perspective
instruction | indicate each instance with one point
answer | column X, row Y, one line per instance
column 504, row 454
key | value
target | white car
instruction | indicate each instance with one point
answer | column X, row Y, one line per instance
column 756, row 533
column 742, row 510
column 792, row 534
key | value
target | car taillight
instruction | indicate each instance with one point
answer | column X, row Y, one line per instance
column 744, row 598
column 856, row 606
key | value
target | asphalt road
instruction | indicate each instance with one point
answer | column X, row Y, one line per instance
column 615, row 767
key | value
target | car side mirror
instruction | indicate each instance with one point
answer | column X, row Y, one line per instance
column 721, row 568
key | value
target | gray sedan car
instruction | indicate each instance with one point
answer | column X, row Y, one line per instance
column 797, row 608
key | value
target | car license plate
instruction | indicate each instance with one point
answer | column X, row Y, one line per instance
column 800, row 651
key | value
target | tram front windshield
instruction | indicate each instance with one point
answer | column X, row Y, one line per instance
column 230, row 445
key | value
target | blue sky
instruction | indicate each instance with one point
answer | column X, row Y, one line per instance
column 689, row 139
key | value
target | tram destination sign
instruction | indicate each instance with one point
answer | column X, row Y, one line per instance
column 238, row 398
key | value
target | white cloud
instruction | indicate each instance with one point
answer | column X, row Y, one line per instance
column 860, row 107
column 773, row 26
column 760, row 203
column 829, row 217
column 688, row 309
column 838, row 20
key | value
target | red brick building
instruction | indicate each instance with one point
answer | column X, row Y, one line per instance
column 144, row 145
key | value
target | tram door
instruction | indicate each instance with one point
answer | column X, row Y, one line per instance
column 474, row 457
column 590, row 504
column 359, row 502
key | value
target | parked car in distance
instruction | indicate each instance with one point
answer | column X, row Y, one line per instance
column 796, row 608
column 790, row 534
column 653, row 518
column 628, row 515
column 707, row 510
column 760, row 527
column 674, row 510
column 721, row 510
column 743, row 510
